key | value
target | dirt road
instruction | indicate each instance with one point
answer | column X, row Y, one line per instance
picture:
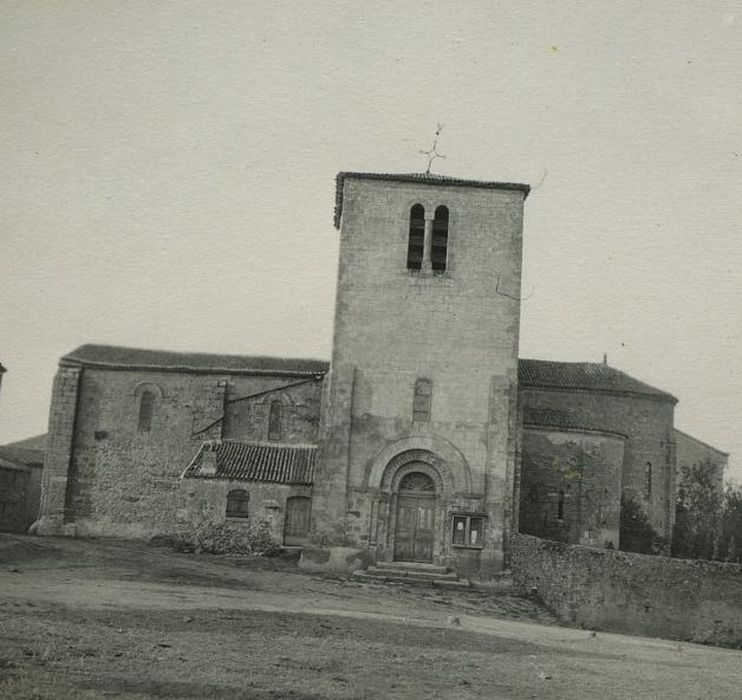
column 95, row 619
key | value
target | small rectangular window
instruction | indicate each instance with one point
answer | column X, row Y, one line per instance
column 468, row 531
column 238, row 503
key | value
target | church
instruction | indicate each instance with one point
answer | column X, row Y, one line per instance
column 425, row 438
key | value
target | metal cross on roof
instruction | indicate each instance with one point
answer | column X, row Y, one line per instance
column 432, row 154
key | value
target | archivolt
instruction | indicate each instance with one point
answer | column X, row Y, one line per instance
column 446, row 465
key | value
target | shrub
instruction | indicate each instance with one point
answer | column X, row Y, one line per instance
column 637, row 533
column 249, row 540
column 699, row 511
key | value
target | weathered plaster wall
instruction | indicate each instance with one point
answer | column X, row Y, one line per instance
column 123, row 481
column 458, row 329
column 571, row 486
column 692, row 600
column 646, row 422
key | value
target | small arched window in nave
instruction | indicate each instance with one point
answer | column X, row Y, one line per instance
column 274, row 421
column 146, row 411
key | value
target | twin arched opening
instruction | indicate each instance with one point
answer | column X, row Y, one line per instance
column 428, row 245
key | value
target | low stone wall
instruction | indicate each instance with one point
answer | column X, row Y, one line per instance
column 691, row 600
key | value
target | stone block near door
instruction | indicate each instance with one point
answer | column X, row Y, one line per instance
column 337, row 559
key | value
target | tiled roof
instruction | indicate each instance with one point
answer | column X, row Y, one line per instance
column 276, row 463
column 115, row 357
column 13, row 465
column 531, row 373
column 419, row 178
column 29, row 451
column 22, row 456
column 583, row 375
column 700, row 442
column 35, row 442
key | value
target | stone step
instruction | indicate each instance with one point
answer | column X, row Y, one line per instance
column 383, row 570
column 419, row 580
column 413, row 566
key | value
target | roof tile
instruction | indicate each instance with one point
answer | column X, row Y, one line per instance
column 243, row 461
column 116, row 357
column 583, row 375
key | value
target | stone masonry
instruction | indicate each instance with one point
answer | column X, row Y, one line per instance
column 457, row 330
column 430, row 440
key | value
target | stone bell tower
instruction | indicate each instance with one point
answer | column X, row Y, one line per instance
column 418, row 431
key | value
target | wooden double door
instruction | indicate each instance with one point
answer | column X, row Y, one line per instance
column 415, row 526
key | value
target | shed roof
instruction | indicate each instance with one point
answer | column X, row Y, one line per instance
column 249, row 461
column 420, row 179
column 589, row 376
column 116, row 357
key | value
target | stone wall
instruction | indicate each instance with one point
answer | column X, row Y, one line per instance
column 203, row 502
column 647, row 423
column 571, row 485
column 692, row 600
column 458, row 330
column 121, row 480
column 59, row 450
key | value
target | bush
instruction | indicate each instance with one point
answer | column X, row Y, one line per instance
column 637, row 533
column 248, row 540
column 699, row 513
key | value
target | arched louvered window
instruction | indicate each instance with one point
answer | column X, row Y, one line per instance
column 416, row 246
column 238, row 501
column 439, row 247
column 274, row 421
column 146, row 410
column 648, row 480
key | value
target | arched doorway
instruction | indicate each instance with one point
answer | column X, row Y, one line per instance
column 414, row 538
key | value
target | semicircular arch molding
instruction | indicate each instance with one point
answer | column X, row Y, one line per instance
column 140, row 388
column 279, row 395
column 453, row 473
column 414, row 461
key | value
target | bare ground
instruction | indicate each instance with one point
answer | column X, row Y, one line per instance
column 100, row 619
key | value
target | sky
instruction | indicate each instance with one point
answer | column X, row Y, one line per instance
column 168, row 176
